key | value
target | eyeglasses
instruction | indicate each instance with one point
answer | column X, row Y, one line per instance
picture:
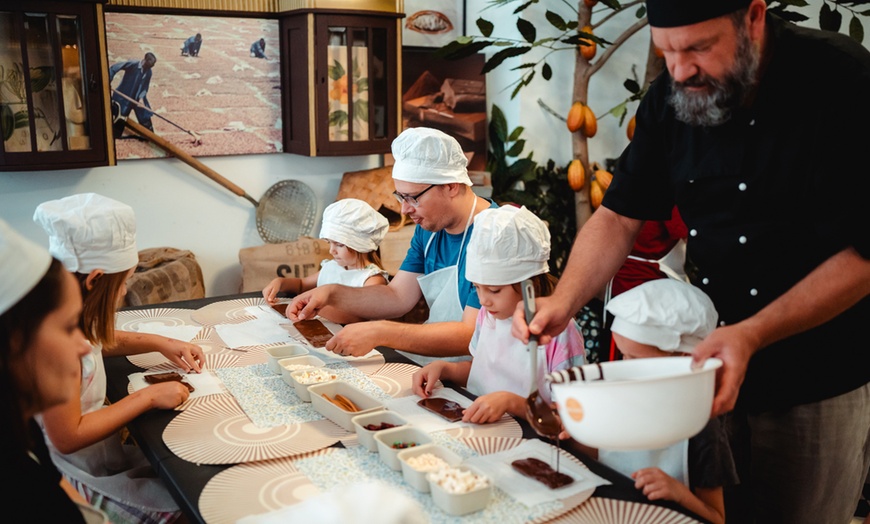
column 411, row 200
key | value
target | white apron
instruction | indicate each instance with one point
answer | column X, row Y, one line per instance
column 332, row 273
column 673, row 460
column 501, row 362
column 119, row 472
column 441, row 291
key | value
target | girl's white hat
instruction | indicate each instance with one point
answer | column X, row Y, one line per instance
column 508, row 245
column 24, row 264
column 354, row 223
column 89, row 231
column 428, row 156
column 667, row 313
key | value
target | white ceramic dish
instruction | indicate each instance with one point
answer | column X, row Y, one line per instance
column 277, row 353
column 647, row 403
column 406, row 434
column 365, row 402
column 365, row 436
column 460, row 503
column 415, row 475
column 302, row 379
column 303, row 360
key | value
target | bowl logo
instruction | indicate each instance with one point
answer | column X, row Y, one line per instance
column 574, row 409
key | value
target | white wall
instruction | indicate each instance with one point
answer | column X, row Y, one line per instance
column 177, row 206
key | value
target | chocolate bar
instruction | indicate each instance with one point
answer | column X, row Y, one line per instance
column 169, row 376
column 542, row 472
column 314, row 332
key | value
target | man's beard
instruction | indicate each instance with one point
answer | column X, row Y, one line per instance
column 714, row 107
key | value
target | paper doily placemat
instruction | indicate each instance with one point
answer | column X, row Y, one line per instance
column 226, row 311
column 219, row 432
column 212, row 361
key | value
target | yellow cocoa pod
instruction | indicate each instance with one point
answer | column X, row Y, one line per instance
column 629, row 129
column 575, row 116
column 576, row 175
column 590, row 123
column 588, row 51
column 596, row 194
column 603, row 178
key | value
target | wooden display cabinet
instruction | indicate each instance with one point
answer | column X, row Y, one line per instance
column 52, row 108
column 341, row 77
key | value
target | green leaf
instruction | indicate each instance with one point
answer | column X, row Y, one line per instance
column 856, row 29
column 556, row 21
column 485, row 27
column 7, row 121
column 613, row 4
column 337, row 118
column 795, row 3
column 517, row 90
column 523, row 7
column 641, row 11
column 523, row 66
column 361, row 110
column 362, row 85
column 829, row 19
column 464, row 39
column 632, row 86
column 498, row 123
column 527, row 29
column 335, row 71
column 546, row 71
column 521, row 167
column 517, row 148
column 619, row 110
column 456, row 50
column 501, row 56
column 515, row 134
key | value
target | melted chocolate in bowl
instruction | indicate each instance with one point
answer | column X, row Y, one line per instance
column 542, row 472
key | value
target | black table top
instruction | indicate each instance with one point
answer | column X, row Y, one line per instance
column 186, row 480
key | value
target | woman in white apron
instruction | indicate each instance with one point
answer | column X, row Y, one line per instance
column 94, row 237
column 657, row 319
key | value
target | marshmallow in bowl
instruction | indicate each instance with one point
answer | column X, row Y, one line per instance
column 427, row 462
column 313, row 376
column 456, row 481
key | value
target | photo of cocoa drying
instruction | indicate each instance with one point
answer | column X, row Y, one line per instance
column 208, row 96
column 449, row 95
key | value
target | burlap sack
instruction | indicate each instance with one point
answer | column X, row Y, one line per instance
column 299, row 259
column 164, row 274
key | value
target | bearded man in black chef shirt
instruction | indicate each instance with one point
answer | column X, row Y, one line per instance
column 751, row 133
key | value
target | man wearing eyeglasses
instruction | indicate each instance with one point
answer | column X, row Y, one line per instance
column 433, row 187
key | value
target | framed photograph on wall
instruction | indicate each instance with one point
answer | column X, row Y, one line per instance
column 433, row 23
column 449, row 95
column 208, row 85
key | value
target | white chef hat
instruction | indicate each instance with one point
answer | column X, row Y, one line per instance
column 667, row 313
column 355, row 224
column 89, row 231
column 428, row 156
column 24, row 264
column 508, row 245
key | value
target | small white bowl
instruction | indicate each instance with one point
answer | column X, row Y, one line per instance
column 365, row 402
column 460, row 503
column 288, row 364
column 416, row 476
column 365, row 436
column 405, row 434
column 297, row 379
column 277, row 353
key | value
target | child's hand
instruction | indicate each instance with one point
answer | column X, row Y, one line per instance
column 492, row 407
column 189, row 357
column 270, row 292
column 167, row 395
column 656, row 485
column 425, row 378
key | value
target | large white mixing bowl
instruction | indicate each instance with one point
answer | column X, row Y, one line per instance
column 644, row 403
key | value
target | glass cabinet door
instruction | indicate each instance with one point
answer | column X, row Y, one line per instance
column 47, row 113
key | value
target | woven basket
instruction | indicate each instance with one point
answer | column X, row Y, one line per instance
column 375, row 187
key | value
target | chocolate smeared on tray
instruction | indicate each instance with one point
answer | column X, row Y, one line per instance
column 448, row 409
column 314, row 332
column 542, row 472
column 169, row 376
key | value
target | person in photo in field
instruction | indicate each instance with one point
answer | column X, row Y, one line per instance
column 132, row 93
column 258, row 49
column 191, row 45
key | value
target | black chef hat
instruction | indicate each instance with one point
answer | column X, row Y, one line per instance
column 675, row 13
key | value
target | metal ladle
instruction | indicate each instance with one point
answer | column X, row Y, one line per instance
column 539, row 413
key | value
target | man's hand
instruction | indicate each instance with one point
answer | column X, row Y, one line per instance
column 734, row 345
column 355, row 340
column 308, row 304
column 551, row 319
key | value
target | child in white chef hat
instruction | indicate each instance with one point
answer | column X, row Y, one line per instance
column 354, row 231
column 508, row 245
column 95, row 238
column 662, row 318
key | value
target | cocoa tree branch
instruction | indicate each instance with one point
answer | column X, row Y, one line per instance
column 637, row 26
column 613, row 13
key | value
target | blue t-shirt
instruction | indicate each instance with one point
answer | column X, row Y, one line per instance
column 443, row 252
